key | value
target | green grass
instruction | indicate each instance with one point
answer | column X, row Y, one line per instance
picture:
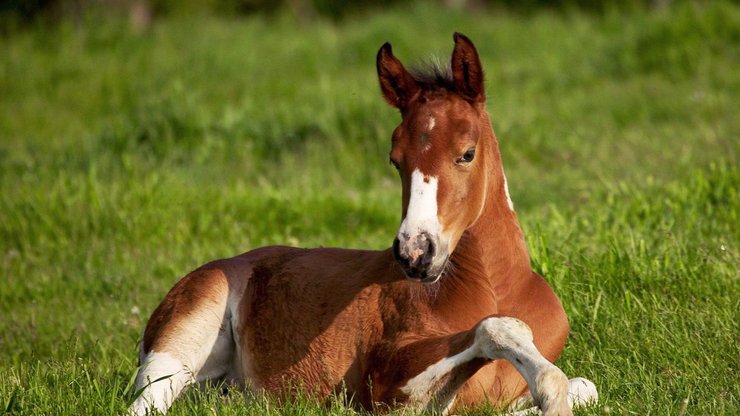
column 127, row 160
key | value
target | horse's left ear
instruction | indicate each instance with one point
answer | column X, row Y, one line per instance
column 467, row 73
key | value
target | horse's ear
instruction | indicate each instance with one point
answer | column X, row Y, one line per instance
column 397, row 84
column 467, row 73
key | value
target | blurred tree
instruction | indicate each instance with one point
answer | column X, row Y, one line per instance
column 140, row 15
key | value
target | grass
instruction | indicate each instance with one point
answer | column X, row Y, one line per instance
column 127, row 160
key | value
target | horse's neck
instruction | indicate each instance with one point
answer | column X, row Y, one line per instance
column 497, row 240
column 496, row 235
column 491, row 258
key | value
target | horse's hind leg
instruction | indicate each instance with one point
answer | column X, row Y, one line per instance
column 187, row 339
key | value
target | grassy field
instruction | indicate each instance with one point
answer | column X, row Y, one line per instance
column 127, row 160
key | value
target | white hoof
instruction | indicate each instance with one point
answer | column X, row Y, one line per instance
column 581, row 392
column 552, row 392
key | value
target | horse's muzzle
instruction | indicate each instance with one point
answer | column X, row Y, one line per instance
column 416, row 254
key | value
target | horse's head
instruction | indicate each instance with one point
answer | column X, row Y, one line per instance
column 442, row 150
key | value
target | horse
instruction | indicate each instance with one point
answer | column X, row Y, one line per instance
column 450, row 317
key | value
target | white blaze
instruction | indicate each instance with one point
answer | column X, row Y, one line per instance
column 421, row 214
column 432, row 123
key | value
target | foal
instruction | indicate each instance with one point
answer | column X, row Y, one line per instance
column 451, row 316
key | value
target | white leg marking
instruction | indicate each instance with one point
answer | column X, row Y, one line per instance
column 162, row 377
column 581, row 392
column 205, row 351
column 421, row 389
column 510, row 339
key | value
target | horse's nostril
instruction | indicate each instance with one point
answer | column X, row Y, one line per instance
column 426, row 260
column 397, row 253
column 428, row 249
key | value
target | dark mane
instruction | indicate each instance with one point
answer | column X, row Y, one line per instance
column 431, row 74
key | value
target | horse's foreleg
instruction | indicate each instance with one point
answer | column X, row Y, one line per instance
column 436, row 386
column 427, row 374
column 581, row 392
column 511, row 339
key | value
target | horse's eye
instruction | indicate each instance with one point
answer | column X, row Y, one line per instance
column 394, row 163
column 467, row 157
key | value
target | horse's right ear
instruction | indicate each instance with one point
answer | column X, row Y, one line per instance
column 397, row 84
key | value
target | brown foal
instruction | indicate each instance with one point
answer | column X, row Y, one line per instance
column 451, row 316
